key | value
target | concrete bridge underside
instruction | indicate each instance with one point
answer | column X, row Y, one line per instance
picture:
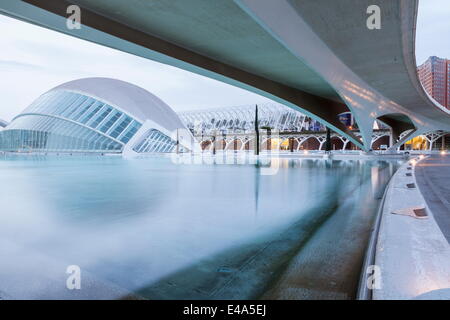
column 319, row 58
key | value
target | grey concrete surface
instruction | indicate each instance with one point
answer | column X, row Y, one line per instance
column 412, row 254
column 433, row 178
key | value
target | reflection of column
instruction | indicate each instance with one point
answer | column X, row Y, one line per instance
column 224, row 143
column 257, row 177
column 202, row 143
column 375, row 181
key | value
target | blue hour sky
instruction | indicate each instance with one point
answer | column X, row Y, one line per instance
column 34, row 60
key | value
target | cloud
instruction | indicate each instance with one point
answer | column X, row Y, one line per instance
column 10, row 65
column 433, row 26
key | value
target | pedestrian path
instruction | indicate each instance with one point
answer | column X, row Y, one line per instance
column 433, row 178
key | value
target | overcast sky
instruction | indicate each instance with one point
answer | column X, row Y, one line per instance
column 34, row 60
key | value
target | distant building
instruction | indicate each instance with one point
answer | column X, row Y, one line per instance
column 434, row 74
column 96, row 115
column 241, row 119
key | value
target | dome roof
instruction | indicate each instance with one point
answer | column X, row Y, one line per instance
column 128, row 97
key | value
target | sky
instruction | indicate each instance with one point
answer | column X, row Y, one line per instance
column 433, row 30
column 33, row 60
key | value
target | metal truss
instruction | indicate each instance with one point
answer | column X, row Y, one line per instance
column 432, row 137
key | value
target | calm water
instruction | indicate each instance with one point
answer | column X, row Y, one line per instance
column 158, row 229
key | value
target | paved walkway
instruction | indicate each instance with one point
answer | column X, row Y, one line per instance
column 433, row 178
column 412, row 254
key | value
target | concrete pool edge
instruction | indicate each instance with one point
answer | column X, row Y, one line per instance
column 363, row 293
column 411, row 255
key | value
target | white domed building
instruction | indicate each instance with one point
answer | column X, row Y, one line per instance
column 97, row 115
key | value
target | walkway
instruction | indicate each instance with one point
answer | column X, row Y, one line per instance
column 433, row 177
column 412, row 254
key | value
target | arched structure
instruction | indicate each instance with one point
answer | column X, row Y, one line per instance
column 310, row 140
column 95, row 115
column 242, row 119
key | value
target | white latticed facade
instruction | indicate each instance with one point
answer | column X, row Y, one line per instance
column 241, row 119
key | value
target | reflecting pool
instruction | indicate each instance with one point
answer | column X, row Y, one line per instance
column 163, row 229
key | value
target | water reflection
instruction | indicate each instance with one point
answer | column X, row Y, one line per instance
column 134, row 222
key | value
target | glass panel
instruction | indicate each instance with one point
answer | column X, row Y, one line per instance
column 82, row 109
column 89, row 114
column 75, row 108
column 129, row 133
column 44, row 133
column 155, row 141
column 118, row 130
column 108, row 124
column 100, row 118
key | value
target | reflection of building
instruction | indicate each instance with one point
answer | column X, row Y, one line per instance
column 435, row 77
column 95, row 115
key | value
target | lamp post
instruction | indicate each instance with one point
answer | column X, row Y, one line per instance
column 256, row 131
column 328, row 141
column 178, row 143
